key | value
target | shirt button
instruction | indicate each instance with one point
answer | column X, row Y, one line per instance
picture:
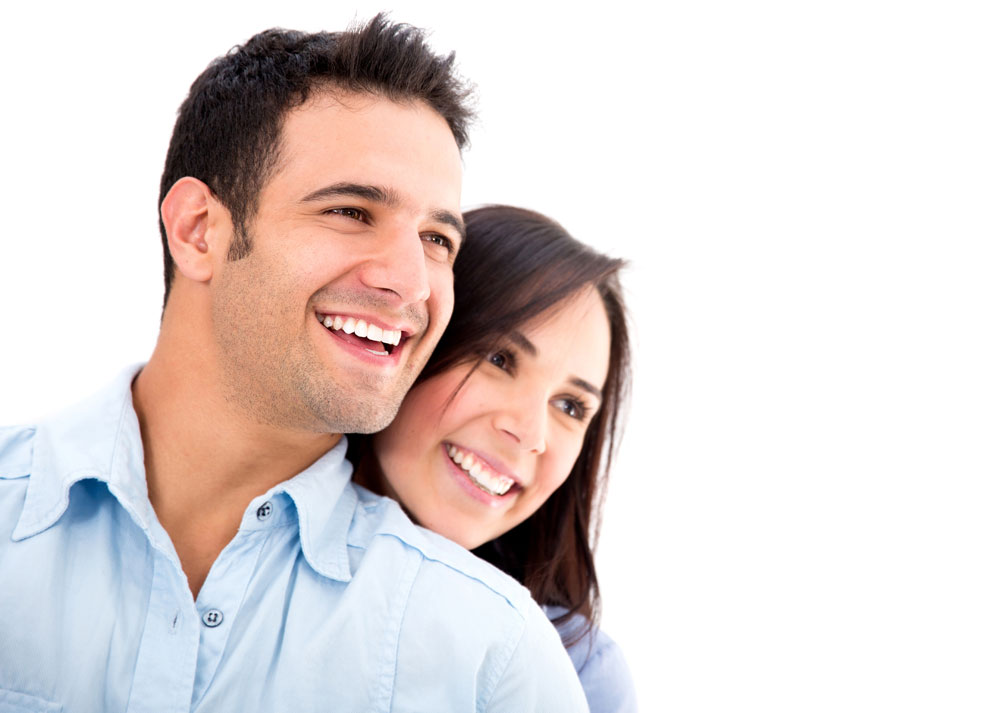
column 264, row 511
column 211, row 618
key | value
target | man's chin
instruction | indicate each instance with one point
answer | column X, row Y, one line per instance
column 360, row 415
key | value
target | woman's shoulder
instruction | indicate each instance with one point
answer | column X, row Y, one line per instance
column 600, row 664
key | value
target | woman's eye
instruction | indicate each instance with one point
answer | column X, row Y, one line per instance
column 352, row 213
column 572, row 408
column 501, row 360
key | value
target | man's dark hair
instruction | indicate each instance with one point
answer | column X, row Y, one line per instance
column 228, row 129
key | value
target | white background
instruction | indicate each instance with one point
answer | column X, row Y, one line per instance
column 805, row 512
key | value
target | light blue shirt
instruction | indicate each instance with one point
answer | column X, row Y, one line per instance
column 600, row 664
column 328, row 598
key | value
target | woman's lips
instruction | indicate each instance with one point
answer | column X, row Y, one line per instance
column 482, row 474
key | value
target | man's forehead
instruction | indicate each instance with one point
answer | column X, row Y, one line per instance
column 345, row 111
column 398, row 153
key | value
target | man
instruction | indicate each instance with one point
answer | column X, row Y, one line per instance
column 189, row 539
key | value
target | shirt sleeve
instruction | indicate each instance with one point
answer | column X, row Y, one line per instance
column 606, row 678
column 540, row 676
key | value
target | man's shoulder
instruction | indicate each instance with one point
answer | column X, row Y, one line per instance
column 384, row 531
column 461, row 604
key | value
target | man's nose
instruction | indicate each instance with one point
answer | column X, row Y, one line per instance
column 399, row 265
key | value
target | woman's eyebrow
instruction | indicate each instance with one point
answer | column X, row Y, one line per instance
column 586, row 386
column 530, row 349
column 523, row 343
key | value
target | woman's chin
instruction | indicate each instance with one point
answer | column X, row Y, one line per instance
column 446, row 525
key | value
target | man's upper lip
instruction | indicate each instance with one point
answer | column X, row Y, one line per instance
column 497, row 466
column 405, row 327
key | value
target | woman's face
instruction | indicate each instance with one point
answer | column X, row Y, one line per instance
column 474, row 467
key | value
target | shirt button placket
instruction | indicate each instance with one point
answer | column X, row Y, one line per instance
column 220, row 597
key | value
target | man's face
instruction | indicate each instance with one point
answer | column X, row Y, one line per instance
column 359, row 224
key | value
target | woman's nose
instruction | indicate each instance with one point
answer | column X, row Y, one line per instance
column 525, row 419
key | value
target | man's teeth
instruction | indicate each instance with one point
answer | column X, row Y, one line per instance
column 360, row 328
column 480, row 473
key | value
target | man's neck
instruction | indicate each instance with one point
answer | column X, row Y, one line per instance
column 206, row 460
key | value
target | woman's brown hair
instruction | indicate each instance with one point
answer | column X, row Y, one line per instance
column 513, row 265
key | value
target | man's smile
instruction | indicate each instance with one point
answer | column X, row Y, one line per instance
column 383, row 339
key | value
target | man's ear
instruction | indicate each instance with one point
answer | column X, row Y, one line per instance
column 192, row 237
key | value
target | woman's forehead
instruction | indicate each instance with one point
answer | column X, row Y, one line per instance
column 573, row 336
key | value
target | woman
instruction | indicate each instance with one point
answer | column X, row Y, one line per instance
column 504, row 442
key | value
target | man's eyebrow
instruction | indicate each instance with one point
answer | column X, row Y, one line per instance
column 379, row 194
column 375, row 194
column 525, row 345
column 449, row 218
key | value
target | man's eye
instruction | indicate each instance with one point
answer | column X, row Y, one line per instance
column 438, row 240
column 352, row 213
column 442, row 242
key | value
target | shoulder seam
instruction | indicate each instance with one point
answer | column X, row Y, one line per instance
column 517, row 605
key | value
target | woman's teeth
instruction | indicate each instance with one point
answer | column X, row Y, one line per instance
column 360, row 328
column 480, row 473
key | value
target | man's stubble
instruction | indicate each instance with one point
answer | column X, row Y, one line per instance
column 273, row 371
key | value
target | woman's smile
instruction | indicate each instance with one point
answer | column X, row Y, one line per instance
column 481, row 473
column 476, row 449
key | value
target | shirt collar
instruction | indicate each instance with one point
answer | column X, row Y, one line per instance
column 325, row 507
column 98, row 438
